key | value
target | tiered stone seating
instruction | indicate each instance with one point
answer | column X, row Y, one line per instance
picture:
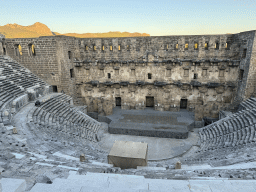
column 235, row 130
column 58, row 114
column 18, row 74
column 249, row 103
column 16, row 83
column 5, row 97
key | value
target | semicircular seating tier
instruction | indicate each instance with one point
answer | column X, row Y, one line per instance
column 57, row 114
column 231, row 131
column 18, row 87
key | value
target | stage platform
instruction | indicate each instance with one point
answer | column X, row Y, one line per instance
column 151, row 123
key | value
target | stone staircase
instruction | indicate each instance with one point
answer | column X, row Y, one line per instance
column 95, row 182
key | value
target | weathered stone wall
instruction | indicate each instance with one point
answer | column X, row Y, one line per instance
column 175, row 87
column 43, row 63
column 105, row 68
column 51, row 60
column 250, row 67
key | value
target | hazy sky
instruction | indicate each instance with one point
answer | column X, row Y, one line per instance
column 156, row 17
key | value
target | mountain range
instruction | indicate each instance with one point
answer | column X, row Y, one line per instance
column 40, row 29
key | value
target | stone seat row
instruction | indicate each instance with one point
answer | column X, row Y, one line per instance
column 249, row 103
column 63, row 111
column 25, row 83
column 235, row 138
column 29, row 77
column 239, row 121
column 235, row 122
column 11, row 66
column 44, row 119
column 11, row 88
column 5, row 97
column 48, row 114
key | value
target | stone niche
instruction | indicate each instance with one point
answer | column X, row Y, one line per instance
column 128, row 154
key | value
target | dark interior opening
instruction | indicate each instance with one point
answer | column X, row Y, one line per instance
column 118, row 101
column 183, row 103
column 241, row 74
column 4, row 50
column 244, row 53
column 217, row 45
column 54, row 88
column 149, row 101
column 71, row 73
column 109, row 75
column 69, row 54
column 195, row 76
column 149, row 75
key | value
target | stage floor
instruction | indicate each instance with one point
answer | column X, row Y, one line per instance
column 149, row 122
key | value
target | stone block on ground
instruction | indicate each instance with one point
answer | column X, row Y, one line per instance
column 128, row 154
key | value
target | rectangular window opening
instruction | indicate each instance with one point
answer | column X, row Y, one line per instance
column 69, row 54
column 4, row 50
column 241, row 74
column 217, row 45
column 111, row 48
column 177, row 46
column 71, row 73
column 186, row 46
column 109, row 75
column 244, row 53
column 149, row 75
column 206, row 46
column 119, row 47
column 196, row 46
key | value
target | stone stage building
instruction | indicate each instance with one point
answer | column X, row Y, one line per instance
column 205, row 74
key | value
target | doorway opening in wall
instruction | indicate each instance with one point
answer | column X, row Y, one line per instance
column 183, row 103
column 118, row 101
column 149, row 101
column 54, row 89
column 4, row 50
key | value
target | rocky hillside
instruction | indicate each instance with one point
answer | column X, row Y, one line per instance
column 39, row 29
column 19, row 31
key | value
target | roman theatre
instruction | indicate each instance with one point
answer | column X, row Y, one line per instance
column 69, row 105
